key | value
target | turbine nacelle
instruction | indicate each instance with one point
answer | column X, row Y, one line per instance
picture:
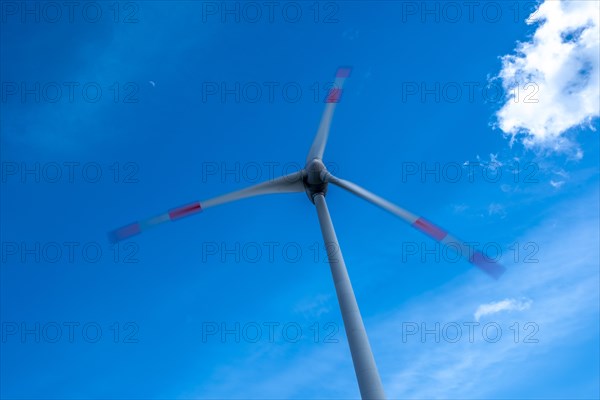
column 314, row 182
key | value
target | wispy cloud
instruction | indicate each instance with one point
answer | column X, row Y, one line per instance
column 502, row 305
column 559, row 182
column 315, row 306
column 67, row 126
column 496, row 209
column 556, row 74
column 459, row 208
column 563, row 284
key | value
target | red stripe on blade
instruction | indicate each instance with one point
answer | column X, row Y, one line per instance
column 334, row 96
column 425, row 226
column 486, row 264
column 124, row 232
column 343, row 72
column 184, row 211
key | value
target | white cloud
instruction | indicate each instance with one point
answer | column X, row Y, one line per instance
column 459, row 208
column 496, row 209
column 561, row 66
column 315, row 306
column 562, row 173
column 557, row 184
column 503, row 305
column 494, row 160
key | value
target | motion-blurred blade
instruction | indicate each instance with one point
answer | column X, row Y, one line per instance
column 286, row 184
column 476, row 258
column 333, row 97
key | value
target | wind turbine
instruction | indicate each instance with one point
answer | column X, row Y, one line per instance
column 313, row 180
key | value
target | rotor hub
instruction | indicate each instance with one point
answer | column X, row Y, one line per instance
column 313, row 179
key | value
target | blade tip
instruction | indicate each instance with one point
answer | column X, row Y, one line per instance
column 124, row 232
column 343, row 72
column 487, row 265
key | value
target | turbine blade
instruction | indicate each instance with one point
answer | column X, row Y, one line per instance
column 492, row 268
column 333, row 97
column 286, row 184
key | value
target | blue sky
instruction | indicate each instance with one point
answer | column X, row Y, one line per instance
column 154, row 143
